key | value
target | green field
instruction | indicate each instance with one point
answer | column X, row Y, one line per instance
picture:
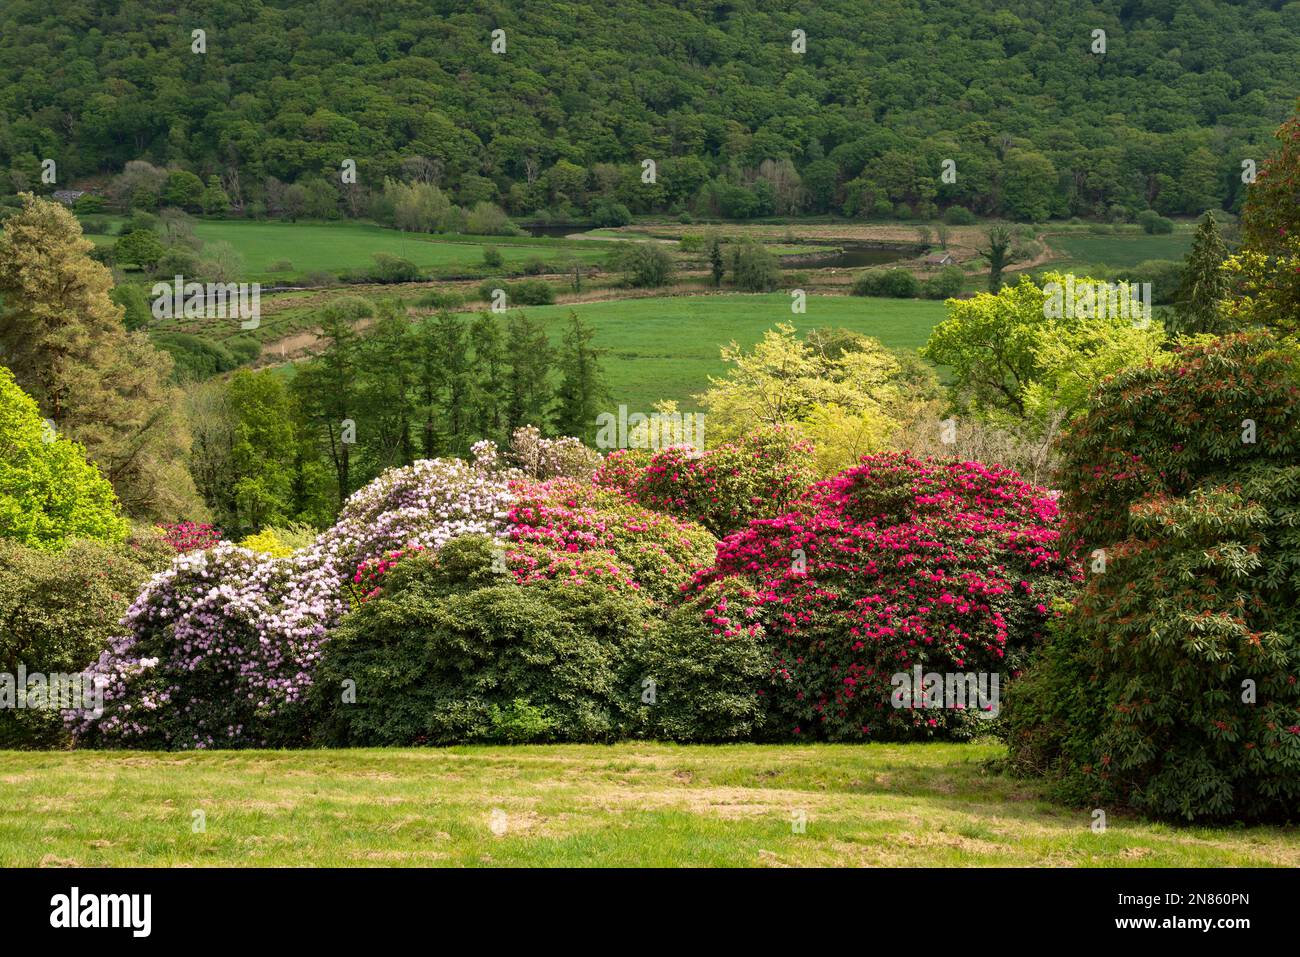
column 631, row 804
column 1120, row 250
column 666, row 348
column 337, row 246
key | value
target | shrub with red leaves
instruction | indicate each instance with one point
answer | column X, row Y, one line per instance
column 895, row 563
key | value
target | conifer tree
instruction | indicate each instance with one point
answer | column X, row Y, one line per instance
column 582, row 383
column 63, row 337
column 488, row 378
column 1204, row 285
column 529, row 354
column 328, row 388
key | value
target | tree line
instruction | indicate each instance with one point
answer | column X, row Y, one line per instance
column 739, row 120
column 290, row 445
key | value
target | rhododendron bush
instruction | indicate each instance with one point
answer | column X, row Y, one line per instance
column 722, row 488
column 1174, row 686
column 454, row 650
column 220, row 648
column 190, row 536
column 895, row 563
column 565, row 529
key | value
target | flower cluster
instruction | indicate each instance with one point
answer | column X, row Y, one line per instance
column 190, row 536
column 228, row 639
column 367, row 580
column 562, row 529
column 894, row 563
column 724, row 488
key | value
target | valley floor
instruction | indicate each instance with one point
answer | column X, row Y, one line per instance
column 633, row 804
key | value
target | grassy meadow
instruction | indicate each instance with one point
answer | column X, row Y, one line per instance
column 1119, row 250
column 311, row 247
column 666, row 348
column 633, row 804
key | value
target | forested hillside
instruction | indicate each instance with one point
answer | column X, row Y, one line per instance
column 738, row 123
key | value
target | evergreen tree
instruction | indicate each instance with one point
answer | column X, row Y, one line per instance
column 582, row 383
column 488, row 373
column 716, row 264
column 529, row 355
column 388, row 372
column 62, row 335
column 444, row 385
column 1204, row 285
column 328, row 388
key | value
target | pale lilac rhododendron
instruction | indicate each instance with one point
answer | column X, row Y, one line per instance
column 220, row 647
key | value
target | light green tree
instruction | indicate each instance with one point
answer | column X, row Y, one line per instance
column 49, row 493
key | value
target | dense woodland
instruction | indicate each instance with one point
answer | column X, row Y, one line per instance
column 739, row 125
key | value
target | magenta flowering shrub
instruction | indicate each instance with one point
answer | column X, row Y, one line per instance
column 190, row 536
column 894, row 563
column 724, row 488
column 568, row 530
column 220, row 648
column 367, row 581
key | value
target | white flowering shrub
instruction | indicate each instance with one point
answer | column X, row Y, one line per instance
column 219, row 649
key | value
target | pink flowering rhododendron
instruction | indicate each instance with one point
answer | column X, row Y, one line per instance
column 895, row 563
column 564, row 529
column 569, row 531
column 190, row 536
column 722, row 488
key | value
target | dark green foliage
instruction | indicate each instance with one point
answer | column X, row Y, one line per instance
column 753, row 267
column 529, row 292
column 528, row 353
column 139, row 248
column 706, row 686
column 389, row 268
column 645, row 265
column 583, row 389
column 889, row 283
column 196, row 358
column 944, row 285
column 450, row 653
column 1000, row 251
column 716, row 267
column 57, row 612
column 135, row 305
column 1153, row 223
column 1204, row 285
column 1171, row 687
column 606, row 214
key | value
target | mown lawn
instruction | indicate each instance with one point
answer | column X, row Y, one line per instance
column 631, row 804
column 666, row 348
